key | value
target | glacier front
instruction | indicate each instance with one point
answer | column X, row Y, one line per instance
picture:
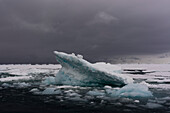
column 77, row 71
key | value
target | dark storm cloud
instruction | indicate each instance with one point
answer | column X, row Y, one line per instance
column 31, row 29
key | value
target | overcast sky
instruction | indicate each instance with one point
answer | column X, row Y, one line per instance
column 30, row 30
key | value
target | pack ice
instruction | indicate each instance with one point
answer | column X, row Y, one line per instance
column 77, row 71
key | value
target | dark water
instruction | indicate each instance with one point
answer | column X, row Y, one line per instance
column 14, row 100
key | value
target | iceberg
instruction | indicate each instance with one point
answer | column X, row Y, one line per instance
column 78, row 72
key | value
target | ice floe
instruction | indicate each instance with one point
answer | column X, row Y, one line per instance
column 51, row 91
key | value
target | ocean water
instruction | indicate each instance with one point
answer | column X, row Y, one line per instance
column 22, row 91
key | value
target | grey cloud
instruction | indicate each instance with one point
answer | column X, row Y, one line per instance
column 103, row 18
column 32, row 29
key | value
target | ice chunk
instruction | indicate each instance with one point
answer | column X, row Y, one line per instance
column 153, row 105
column 131, row 91
column 136, row 101
column 165, row 98
column 21, row 85
column 77, row 71
column 6, row 85
column 73, row 94
column 107, row 87
column 34, row 90
column 51, row 91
